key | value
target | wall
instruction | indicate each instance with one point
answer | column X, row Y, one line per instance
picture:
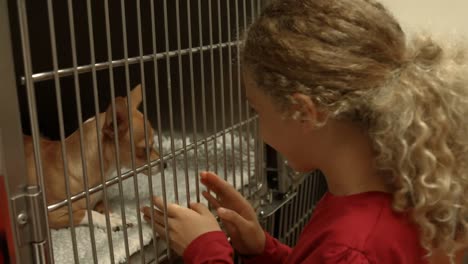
column 431, row 14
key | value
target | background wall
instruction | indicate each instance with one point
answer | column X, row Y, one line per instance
column 438, row 15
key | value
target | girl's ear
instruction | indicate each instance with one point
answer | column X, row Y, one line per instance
column 306, row 111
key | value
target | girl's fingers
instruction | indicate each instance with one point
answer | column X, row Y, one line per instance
column 160, row 230
column 171, row 208
column 213, row 201
column 223, row 190
column 230, row 228
column 216, row 184
column 157, row 216
column 146, row 211
column 233, row 218
column 162, row 234
column 200, row 208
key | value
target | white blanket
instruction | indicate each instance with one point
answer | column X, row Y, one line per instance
column 62, row 243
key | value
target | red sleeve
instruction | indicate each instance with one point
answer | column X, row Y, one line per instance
column 337, row 254
column 210, row 248
column 274, row 252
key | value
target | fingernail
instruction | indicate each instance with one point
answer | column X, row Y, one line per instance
column 221, row 210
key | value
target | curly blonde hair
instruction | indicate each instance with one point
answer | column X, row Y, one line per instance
column 353, row 59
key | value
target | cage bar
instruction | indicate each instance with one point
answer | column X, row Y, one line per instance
column 213, row 88
column 130, row 119
column 43, row 76
column 221, row 74
column 80, row 129
column 159, row 134
column 171, row 114
column 147, row 149
column 182, row 105
column 239, row 96
column 192, row 93
column 32, row 108
column 171, row 118
column 98, row 131
column 202, row 82
column 231, row 97
column 114, row 121
column 61, row 126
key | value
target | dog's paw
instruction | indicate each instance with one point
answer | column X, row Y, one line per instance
column 117, row 224
column 100, row 208
column 120, row 227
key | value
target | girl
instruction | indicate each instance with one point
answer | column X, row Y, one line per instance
column 337, row 87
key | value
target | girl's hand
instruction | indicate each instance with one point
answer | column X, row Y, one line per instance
column 237, row 215
column 184, row 224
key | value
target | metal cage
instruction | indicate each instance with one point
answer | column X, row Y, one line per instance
column 65, row 62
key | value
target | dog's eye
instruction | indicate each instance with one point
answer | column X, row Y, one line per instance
column 252, row 111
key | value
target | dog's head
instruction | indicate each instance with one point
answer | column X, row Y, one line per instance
column 143, row 145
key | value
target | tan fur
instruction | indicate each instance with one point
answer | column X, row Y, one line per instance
column 52, row 164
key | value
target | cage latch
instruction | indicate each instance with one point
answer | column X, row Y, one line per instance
column 30, row 225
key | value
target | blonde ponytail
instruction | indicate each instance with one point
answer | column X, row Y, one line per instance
column 420, row 130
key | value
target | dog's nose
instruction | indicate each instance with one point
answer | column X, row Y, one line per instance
column 165, row 165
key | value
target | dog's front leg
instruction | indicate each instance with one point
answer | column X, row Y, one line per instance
column 99, row 221
column 101, row 208
column 61, row 219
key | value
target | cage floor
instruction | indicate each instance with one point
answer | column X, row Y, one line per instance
column 227, row 164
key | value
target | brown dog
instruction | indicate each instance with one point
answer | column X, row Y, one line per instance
column 51, row 154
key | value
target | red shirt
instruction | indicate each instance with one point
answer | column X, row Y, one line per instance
column 355, row 229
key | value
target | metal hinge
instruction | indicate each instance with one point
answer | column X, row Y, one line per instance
column 30, row 224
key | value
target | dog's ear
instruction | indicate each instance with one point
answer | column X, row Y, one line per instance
column 121, row 114
column 135, row 96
